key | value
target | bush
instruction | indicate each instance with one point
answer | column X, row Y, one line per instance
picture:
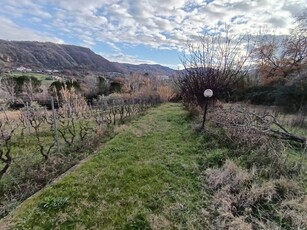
column 258, row 95
column 291, row 98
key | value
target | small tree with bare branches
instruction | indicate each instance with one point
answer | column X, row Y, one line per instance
column 217, row 61
column 8, row 85
column 280, row 60
column 7, row 129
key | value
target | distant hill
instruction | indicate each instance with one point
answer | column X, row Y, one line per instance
column 146, row 68
column 47, row 55
column 52, row 56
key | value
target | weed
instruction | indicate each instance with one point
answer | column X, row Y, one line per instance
column 53, row 203
column 139, row 222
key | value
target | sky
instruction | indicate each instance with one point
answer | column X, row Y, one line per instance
column 141, row 31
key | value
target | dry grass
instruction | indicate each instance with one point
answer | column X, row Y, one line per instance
column 12, row 115
column 242, row 201
column 158, row 222
column 266, row 190
column 298, row 119
column 165, row 92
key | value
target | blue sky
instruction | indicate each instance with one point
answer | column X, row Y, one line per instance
column 140, row 31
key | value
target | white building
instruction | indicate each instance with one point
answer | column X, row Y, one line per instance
column 21, row 68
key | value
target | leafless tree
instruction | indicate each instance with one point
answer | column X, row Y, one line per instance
column 37, row 118
column 8, row 85
column 90, row 85
column 67, row 128
column 7, row 129
column 279, row 61
column 29, row 89
column 216, row 61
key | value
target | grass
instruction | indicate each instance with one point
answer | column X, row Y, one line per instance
column 27, row 174
column 147, row 177
column 30, row 171
column 40, row 76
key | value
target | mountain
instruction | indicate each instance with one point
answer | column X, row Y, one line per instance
column 146, row 68
column 47, row 55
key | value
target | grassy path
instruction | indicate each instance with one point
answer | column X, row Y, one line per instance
column 147, row 177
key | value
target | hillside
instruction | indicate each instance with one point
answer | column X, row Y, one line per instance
column 146, row 68
column 52, row 56
column 47, row 55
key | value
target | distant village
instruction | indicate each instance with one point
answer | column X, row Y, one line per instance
column 53, row 73
column 24, row 69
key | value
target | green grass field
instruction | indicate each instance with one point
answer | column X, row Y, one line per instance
column 44, row 78
column 147, row 177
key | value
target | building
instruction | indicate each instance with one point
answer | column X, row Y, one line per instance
column 21, row 69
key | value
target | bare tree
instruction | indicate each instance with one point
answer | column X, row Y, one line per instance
column 8, row 85
column 90, row 85
column 37, row 117
column 134, row 83
column 29, row 89
column 7, row 129
column 279, row 61
column 217, row 61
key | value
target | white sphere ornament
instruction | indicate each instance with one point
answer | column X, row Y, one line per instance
column 208, row 93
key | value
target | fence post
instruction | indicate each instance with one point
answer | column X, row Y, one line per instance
column 28, row 117
column 56, row 137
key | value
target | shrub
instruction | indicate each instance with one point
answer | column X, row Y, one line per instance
column 258, row 95
column 291, row 98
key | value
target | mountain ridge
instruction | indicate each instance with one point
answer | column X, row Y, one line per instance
column 48, row 55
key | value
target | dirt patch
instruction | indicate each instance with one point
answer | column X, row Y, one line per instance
column 121, row 128
column 12, row 115
column 138, row 132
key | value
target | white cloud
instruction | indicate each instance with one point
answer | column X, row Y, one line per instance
column 160, row 24
column 11, row 31
column 169, row 23
column 26, row 7
column 123, row 58
column 114, row 47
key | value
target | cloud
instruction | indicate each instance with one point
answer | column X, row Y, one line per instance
column 123, row 58
column 153, row 22
column 80, row 5
column 26, row 7
column 11, row 31
column 160, row 24
column 114, row 47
